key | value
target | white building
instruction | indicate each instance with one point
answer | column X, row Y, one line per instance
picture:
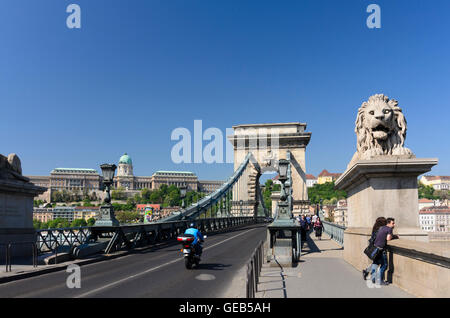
column 340, row 213
column 435, row 219
column 426, row 203
column 311, row 180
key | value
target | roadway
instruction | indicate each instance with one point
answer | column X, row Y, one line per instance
column 158, row 272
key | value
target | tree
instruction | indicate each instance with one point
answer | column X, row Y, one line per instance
column 325, row 191
column 78, row 223
column 58, row 223
column 156, row 197
column 125, row 217
column 90, row 221
column 118, row 194
column 426, row 192
column 442, row 194
column 37, row 224
column 145, row 194
column 87, row 202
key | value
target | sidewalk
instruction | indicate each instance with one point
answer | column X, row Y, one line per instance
column 321, row 272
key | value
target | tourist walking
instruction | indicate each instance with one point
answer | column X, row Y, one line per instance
column 303, row 228
column 318, row 228
column 308, row 221
column 379, row 222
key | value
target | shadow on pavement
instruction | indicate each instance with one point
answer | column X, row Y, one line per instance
column 212, row 267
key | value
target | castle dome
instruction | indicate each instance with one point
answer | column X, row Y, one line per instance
column 125, row 159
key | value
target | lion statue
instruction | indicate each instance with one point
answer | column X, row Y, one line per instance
column 380, row 129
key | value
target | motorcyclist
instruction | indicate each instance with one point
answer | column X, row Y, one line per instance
column 196, row 244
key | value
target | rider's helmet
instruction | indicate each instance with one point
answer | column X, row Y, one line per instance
column 192, row 225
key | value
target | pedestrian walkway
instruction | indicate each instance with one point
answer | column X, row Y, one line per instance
column 321, row 272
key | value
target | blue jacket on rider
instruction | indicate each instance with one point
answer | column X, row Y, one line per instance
column 196, row 233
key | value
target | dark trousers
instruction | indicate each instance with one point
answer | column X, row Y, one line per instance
column 303, row 233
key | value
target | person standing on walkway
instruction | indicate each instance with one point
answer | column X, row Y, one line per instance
column 314, row 219
column 379, row 222
column 308, row 221
column 318, row 228
column 384, row 234
column 303, row 228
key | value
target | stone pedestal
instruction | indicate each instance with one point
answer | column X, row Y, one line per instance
column 385, row 186
column 16, row 216
column 283, row 235
column 107, row 217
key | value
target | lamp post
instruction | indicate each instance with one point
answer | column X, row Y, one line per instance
column 107, row 217
column 284, row 231
column 183, row 190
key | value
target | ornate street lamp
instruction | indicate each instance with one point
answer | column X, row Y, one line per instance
column 283, row 170
column 284, row 231
column 107, row 217
column 108, row 176
column 283, row 176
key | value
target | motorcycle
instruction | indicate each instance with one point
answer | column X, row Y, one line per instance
column 190, row 258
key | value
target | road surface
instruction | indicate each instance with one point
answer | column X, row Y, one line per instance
column 152, row 273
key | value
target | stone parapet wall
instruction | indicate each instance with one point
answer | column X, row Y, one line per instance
column 420, row 268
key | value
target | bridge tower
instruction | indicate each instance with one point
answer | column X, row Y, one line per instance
column 268, row 143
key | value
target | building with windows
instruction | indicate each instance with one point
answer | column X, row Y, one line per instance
column 340, row 213
column 435, row 219
column 81, row 181
column 176, row 178
column 437, row 182
column 43, row 214
column 63, row 212
column 209, row 186
column 70, row 180
column 311, row 180
column 85, row 213
column 326, row 176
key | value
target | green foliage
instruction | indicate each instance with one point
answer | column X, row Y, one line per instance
column 57, row 223
column 37, row 224
column 125, row 217
column 327, row 192
column 118, row 194
column 73, row 196
column 37, row 203
column 90, row 221
column 427, row 192
column 269, row 187
column 78, row 222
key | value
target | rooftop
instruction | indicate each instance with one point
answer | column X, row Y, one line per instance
column 162, row 172
column 325, row 173
column 74, row 170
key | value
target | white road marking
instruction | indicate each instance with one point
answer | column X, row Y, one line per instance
column 205, row 277
column 152, row 269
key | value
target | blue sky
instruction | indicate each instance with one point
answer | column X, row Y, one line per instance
column 136, row 70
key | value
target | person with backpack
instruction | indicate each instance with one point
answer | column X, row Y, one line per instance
column 384, row 234
column 379, row 222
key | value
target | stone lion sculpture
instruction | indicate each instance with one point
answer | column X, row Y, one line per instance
column 11, row 167
column 380, row 129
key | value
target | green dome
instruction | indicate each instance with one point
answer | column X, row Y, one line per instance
column 125, row 159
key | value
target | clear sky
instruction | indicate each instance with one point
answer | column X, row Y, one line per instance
column 138, row 69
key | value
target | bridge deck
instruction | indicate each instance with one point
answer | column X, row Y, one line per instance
column 322, row 272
